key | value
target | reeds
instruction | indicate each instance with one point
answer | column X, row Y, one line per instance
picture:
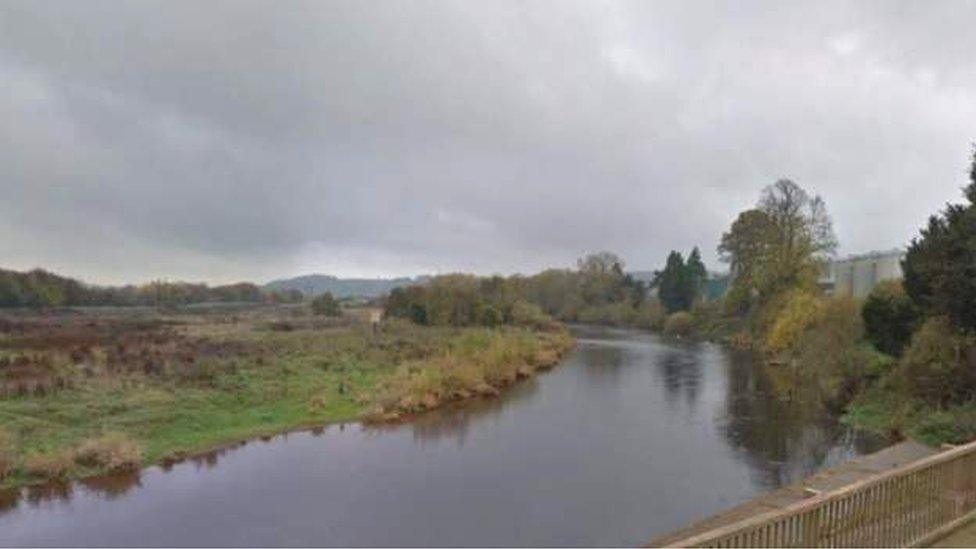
column 479, row 364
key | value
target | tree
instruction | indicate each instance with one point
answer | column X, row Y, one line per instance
column 601, row 276
column 940, row 265
column 409, row 303
column 326, row 305
column 557, row 291
column 803, row 236
column 681, row 283
column 890, row 317
column 744, row 247
column 780, row 245
column 697, row 274
column 672, row 283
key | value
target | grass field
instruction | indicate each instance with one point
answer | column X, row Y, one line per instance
column 88, row 393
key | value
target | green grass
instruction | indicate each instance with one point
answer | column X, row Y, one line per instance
column 890, row 413
column 279, row 381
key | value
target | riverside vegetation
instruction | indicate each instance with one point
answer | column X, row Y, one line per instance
column 903, row 361
column 108, row 391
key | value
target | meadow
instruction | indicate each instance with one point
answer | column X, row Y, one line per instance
column 91, row 392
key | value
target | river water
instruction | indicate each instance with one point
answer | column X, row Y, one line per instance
column 630, row 437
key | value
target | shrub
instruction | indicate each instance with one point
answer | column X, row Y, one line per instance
column 326, row 305
column 529, row 315
column 612, row 314
column 708, row 316
column 800, row 311
column 831, row 354
column 890, row 317
column 650, row 314
column 490, row 316
column 112, row 451
column 938, row 365
column 679, row 324
column 9, row 452
column 53, row 466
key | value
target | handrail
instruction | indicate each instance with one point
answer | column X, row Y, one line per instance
column 918, row 498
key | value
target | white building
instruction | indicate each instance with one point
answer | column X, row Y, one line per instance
column 856, row 276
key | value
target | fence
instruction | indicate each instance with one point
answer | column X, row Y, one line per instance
column 907, row 506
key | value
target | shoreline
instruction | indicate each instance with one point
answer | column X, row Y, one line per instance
column 21, row 482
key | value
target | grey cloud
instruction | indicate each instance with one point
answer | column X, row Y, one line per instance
column 226, row 140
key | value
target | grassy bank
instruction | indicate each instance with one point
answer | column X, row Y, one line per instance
column 892, row 413
column 85, row 394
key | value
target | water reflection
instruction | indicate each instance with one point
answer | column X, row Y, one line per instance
column 9, row 499
column 602, row 364
column 782, row 434
column 53, row 491
column 681, row 369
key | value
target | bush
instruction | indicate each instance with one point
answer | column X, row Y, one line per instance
column 650, row 315
column 529, row 315
column 709, row 318
column 939, row 366
column 610, row 314
column 490, row 316
column 326, row 305
column 9, row 452
column 800, row 311
column 54, row 466
column 831, row 354
column 112, row 451
column 890, row 317
column 679, row 324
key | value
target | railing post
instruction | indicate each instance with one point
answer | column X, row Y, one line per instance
column 811, row 528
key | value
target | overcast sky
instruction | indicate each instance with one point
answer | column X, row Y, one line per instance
column 221, row 141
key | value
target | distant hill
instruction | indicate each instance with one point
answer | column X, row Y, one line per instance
column 315, row 284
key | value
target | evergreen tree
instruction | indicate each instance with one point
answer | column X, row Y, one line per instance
column 672, row 283
column 697, row 275
column 940, row 266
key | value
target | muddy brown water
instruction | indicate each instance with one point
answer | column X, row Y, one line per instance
column 629, row 438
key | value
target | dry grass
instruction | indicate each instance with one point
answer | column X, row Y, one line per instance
column 114, row 452
column 44, row 355
column 53, row 466
column 9, row 452
column 680, row 324
column 480, row 364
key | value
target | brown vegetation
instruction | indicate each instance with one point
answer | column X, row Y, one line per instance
column 679, row 324
column 479, row 366
column 9, row 453
column 51, row 466
column 113, row 452
column 48, row 354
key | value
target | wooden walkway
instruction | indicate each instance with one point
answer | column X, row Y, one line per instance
column 846, row 498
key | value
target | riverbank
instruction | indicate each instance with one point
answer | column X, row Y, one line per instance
column 85, row 394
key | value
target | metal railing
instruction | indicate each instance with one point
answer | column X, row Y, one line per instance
column 907, row 506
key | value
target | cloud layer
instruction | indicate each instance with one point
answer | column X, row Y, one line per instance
column 230, row 140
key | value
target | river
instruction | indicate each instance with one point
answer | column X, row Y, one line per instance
column 631, row 437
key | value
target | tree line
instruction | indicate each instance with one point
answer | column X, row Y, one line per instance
column 40, row 288
column 598, row 290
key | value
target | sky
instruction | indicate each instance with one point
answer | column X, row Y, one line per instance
column 234, row 140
